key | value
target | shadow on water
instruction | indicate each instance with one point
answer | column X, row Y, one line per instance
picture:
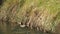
column 18, row 30
column 25, row 30
column 6, row 29
column 1, row 32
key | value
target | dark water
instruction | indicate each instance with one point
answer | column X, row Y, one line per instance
column 6, row 29
column 19, row 30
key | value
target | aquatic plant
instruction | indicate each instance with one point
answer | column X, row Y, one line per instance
column 40, row 14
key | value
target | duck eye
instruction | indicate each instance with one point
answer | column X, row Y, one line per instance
column 21, row 23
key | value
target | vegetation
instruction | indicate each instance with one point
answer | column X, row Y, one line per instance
column 43, row 15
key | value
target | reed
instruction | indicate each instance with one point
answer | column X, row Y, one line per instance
column 43, row 15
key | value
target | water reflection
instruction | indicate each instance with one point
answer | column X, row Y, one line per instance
column 18, row 30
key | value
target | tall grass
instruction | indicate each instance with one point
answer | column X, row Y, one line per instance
column 42, row 14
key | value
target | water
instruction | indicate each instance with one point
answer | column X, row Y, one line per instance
column 5, row 29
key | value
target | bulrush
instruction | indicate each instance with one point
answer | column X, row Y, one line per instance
column 44, row 15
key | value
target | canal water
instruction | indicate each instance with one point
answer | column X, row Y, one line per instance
column 19, row 30
column 5, row 28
